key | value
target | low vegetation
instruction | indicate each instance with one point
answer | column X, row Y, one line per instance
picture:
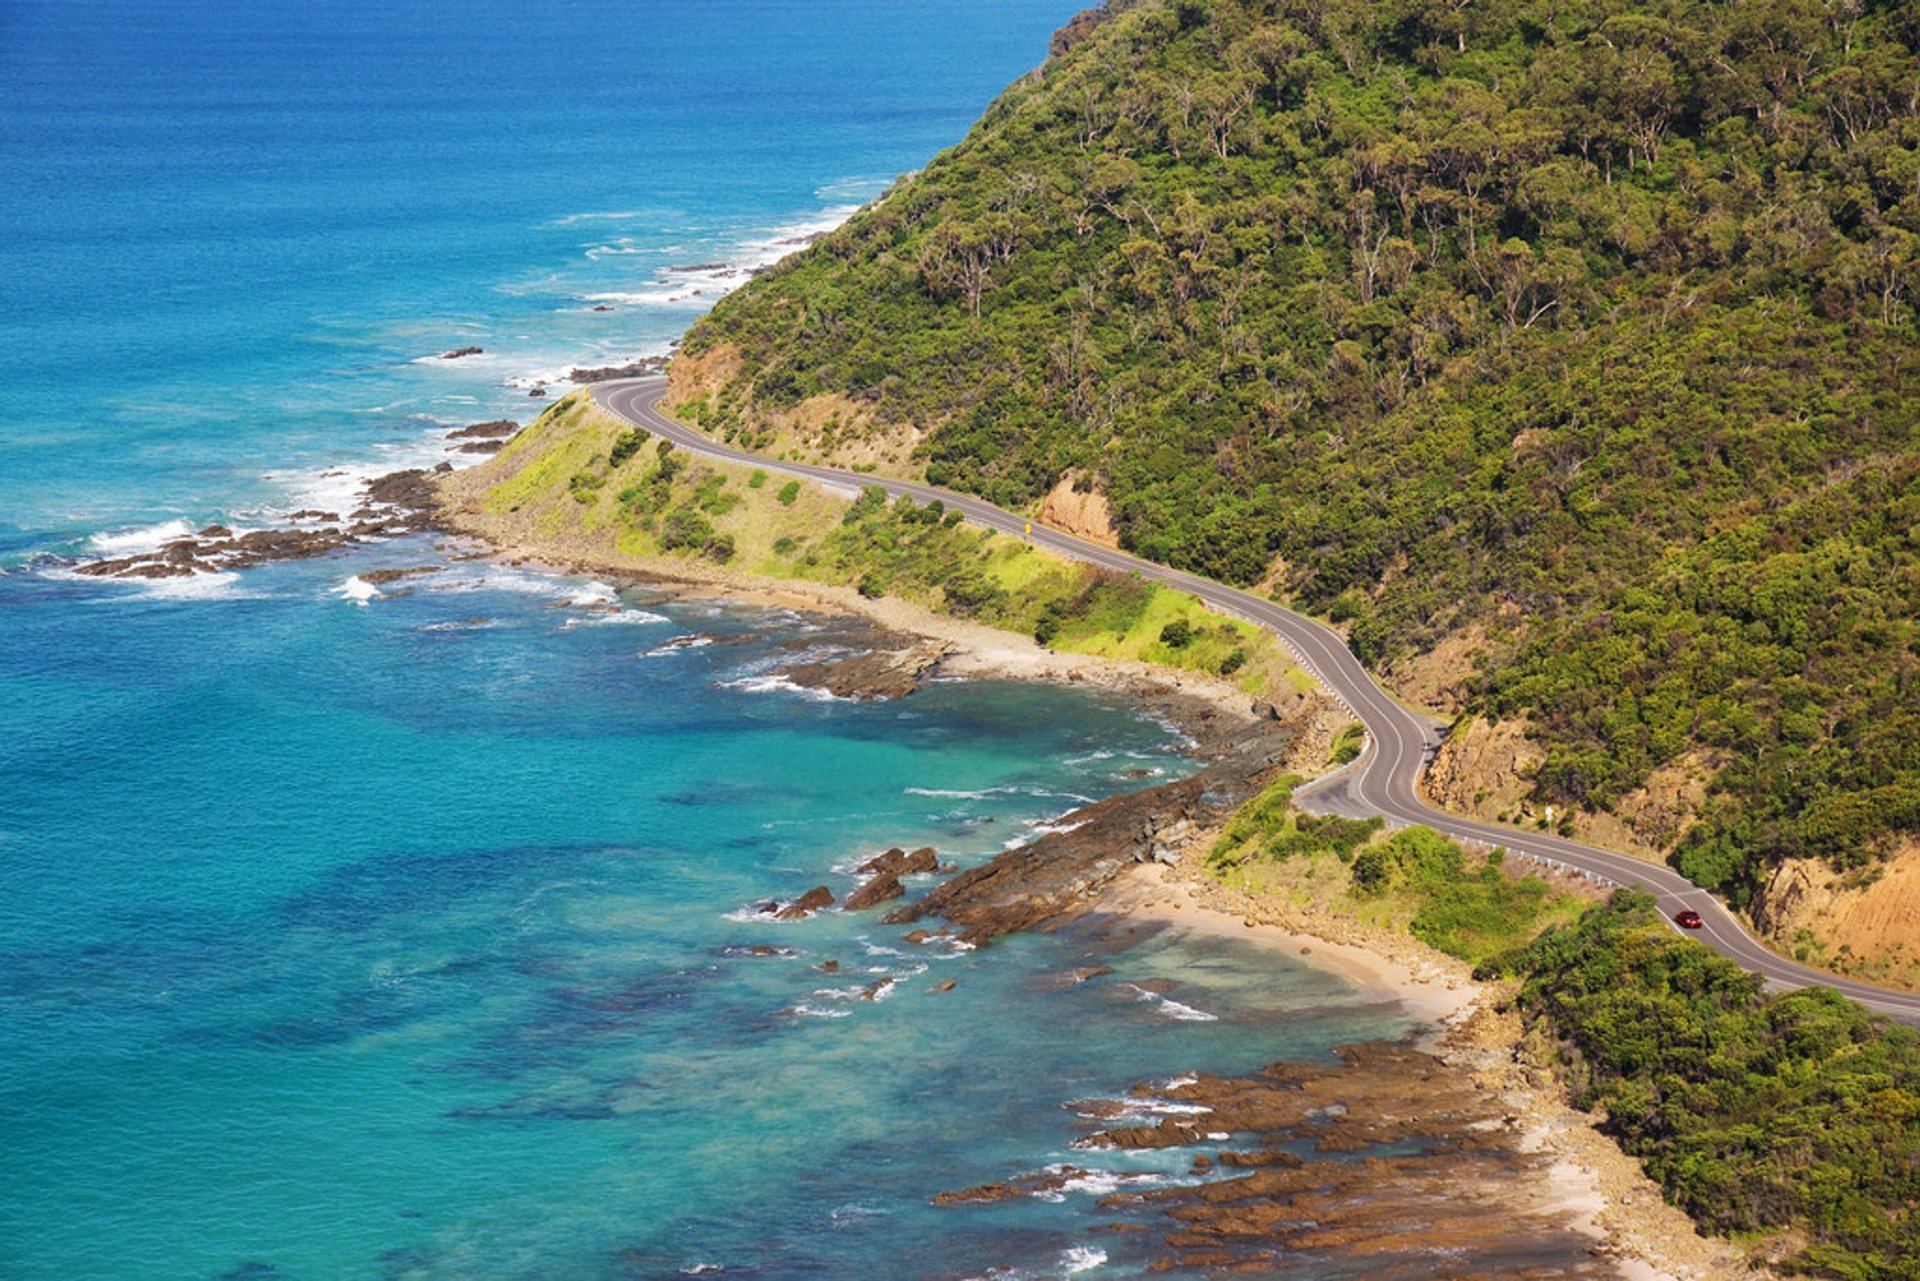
column 1467, row 906
column 582, row 478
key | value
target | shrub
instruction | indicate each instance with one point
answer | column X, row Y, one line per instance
column 628, row 445
column 756, row 479
column 685, row 527
column 788, row 493
column 1177, row 635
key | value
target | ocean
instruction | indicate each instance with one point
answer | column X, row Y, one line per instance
column 412, row 932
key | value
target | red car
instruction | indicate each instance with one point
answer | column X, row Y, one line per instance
column 1688, row 920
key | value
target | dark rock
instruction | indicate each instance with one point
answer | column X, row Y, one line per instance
column 641, row 368
column 807, row 904
column 379, row 577
column 1025, row 1185
column 898, row 862
column 828, row 966
column 892, row 668
column 942, row 987
column 873, row 990
column 482, row 447
column 496, row 429
column 538, row 391
column 458, row 352
column 601, row 307
column 221, row 531
column 876, row 891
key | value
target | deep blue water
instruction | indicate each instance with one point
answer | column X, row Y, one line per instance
column 404, row 937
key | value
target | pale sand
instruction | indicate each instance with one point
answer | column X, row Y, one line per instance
column 1603, row 1191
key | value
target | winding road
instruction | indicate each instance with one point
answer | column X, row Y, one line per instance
column 1384, row 780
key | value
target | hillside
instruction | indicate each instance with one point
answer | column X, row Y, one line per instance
column 1568, row 354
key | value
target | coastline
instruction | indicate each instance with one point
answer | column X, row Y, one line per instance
column 1591, row 1185
column 1204, row 709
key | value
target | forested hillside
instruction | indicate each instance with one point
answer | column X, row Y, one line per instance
column 1592, row 324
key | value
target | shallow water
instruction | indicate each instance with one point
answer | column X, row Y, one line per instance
column 407, row 931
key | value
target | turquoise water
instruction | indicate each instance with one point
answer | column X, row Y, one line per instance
column 412, row 936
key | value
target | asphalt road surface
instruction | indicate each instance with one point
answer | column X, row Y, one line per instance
column 1383, row 781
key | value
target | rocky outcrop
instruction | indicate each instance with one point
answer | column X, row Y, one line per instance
column 898, row 862
column 806, row 905
column 496, row 429
column 1056, row 876
column 889, row 666
column 885, row 871
column 875, row 892
column 1447, row 1173
column 458, row 352
column 642, row 368
column 399, row 503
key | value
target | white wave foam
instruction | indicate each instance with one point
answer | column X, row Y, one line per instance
column 641, row 298
column 616, row 215
column 1037, row 829
column 147, row 538
column 358, row 590
column 792, row 236
column 459, row 625
column 497, row 578
column 811, row 1012
column 677, row 645
column 1174, row 1009
column 1098, row 1183
column 1179, row 1081
column 624, row 617
column 1081, row 1258
column 1011, row 789
column 770, row 684
column 192, row 587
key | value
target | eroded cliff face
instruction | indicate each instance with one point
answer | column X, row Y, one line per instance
column 1485, row 769
column 828, row 428
column 1081, row 512
column 1863, row 922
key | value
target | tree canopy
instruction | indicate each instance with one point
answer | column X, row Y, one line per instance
column 1593, row 323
